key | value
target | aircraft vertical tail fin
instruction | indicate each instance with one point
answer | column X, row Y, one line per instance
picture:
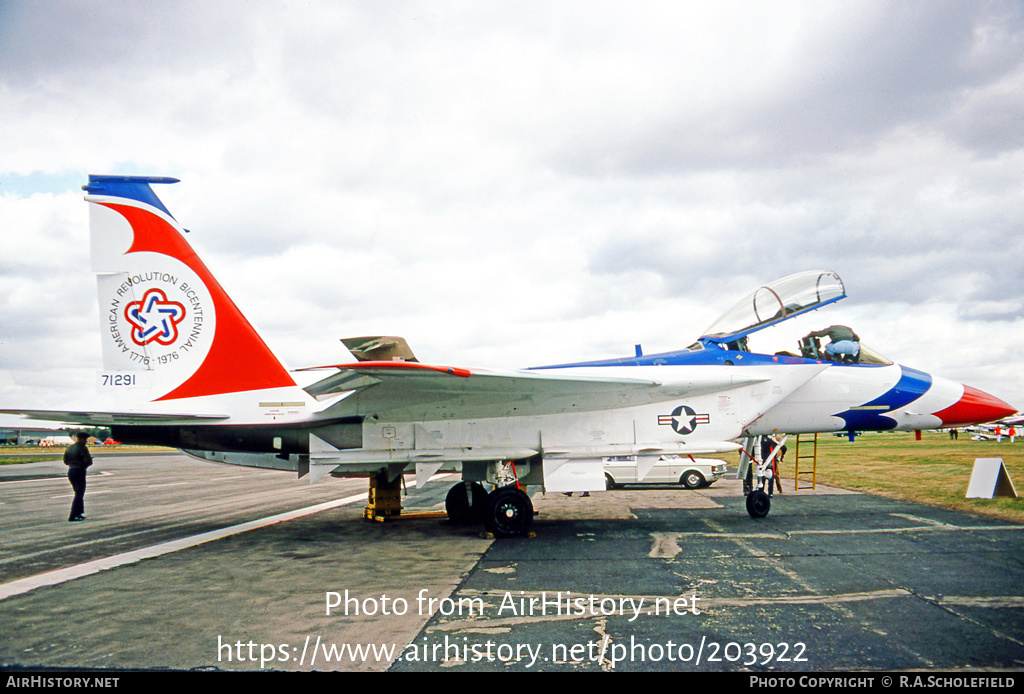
column 168, row 326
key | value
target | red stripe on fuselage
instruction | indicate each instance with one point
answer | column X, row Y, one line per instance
column 974, row 407
column 399, row 366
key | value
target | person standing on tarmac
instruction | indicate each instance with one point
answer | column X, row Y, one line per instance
column 77, row 458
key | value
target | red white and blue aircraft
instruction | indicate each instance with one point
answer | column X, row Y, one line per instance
column 182, row 367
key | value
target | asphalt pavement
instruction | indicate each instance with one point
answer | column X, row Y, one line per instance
column 186, row 565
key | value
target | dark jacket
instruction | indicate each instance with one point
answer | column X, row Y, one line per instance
column 76, row 456
column 836, row 333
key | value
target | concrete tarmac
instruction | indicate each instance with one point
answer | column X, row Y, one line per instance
column 187, row 565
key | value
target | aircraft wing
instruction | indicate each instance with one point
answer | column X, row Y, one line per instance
column 103, row 419
column 403, row 391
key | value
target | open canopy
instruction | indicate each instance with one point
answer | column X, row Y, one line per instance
column 774, row 303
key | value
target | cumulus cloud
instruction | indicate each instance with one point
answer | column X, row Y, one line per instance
column 509, row 184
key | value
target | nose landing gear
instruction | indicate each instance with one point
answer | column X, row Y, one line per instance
column 758, row 503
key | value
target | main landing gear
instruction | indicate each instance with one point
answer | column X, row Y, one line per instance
column 506, row 512
column 509, row 512
column 466, row 503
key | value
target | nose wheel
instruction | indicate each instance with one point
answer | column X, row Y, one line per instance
column 758, row 503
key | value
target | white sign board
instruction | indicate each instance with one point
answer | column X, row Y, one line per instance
column 990, row 479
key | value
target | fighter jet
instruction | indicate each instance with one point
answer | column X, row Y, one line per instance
column 182, row 367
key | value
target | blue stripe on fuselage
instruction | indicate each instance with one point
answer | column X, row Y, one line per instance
column 911, row 386
column 699, row 357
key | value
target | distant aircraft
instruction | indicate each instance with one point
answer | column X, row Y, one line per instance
column 997, row 431
column 182, row 367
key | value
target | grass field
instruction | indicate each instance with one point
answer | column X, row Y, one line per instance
column 933, row 471
column 16, row 455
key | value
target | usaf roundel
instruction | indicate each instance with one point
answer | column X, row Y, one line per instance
column 683, row 419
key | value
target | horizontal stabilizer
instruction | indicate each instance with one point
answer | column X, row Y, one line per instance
column 350, row 377
column 379, row 348
column 340, row 382
column 109, row 418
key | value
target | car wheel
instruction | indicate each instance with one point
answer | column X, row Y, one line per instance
column 609, row 483
column 692, row 479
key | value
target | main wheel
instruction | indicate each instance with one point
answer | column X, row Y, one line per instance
column 758, row 504
column 509, row 512
column 692, row 479
column 466, row 503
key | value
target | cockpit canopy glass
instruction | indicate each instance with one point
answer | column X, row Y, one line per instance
column 776, row 302
column 870, row 356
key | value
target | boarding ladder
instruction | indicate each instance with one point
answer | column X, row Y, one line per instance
column 804, row 458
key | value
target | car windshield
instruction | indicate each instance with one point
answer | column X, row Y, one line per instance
column 776, row 302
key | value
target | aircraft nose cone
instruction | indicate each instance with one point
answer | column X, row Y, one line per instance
column 974, row 407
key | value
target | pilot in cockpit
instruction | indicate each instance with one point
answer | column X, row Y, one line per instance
column 739, row 345
column 843, row 346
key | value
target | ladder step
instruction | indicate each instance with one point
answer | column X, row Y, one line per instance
column 813, row 457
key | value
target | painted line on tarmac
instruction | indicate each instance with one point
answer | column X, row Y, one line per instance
column 52, row 477
column 52, row 578
column 666, row 545
column 91, row 492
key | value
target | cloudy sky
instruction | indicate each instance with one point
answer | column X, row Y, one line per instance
column 510, row 184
